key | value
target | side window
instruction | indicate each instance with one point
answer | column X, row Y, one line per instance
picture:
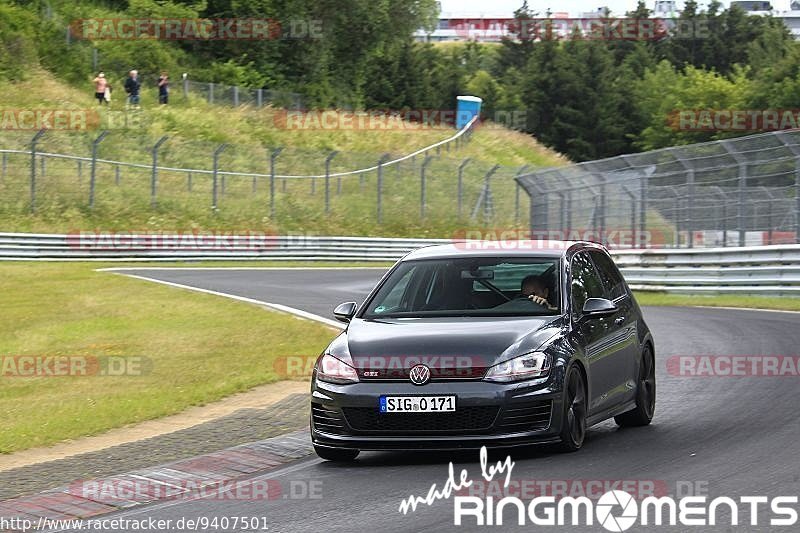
column 585, row 283
column 609, row 274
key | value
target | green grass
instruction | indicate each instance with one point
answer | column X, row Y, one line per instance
column 721, row 300
column 199, row 348
column 196, row 128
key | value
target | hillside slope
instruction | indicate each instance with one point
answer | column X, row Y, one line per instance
column 196, row 128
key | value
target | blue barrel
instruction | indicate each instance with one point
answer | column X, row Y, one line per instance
column 467, row 108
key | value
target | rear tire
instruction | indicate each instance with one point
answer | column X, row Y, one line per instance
column 342, row 455
column 573, row 425
column 642, row 414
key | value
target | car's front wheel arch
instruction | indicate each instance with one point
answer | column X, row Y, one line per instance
column 574, row 408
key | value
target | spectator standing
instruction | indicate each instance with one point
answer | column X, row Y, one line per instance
column 163, row 88
column 132, row 87
column 100, row 86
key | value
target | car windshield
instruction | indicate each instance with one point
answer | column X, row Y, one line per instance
column 499, row 286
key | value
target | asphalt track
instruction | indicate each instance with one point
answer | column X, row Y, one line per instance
column 726, row 436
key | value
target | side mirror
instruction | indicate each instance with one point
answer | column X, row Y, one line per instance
column 344, row 312
column 598, row 308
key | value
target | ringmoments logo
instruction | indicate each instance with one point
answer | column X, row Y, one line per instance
column 615, row 510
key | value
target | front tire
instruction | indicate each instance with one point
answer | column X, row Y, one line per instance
column 338, row 455
column 573, row 425
column 642, row 414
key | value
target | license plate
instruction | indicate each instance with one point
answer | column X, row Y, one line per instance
column 417, row 404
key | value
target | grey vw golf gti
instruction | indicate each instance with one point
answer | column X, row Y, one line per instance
column 459, row 348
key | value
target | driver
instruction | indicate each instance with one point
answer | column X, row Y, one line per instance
column 535, row 289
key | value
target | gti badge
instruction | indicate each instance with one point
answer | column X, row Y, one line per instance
column 420, row 375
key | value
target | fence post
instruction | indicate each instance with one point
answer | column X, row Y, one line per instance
column 689, row 211
column 643, row 211
column 769, row 221
column 328, row 179
column 235, row 96
column 379, row 187
column 676, row 241
column 725, row 224
column 272, row 157
column 259, row 97
column 116, row 174
column 742, row 189
column 80, row 169
column 488, row 202
column 185, row 87
column 154, row 175
column 211, row 93
column 428, row 159
column 461, row 184
column 632, row 198
column 520, row 172
column 215, row 173
column 742, row 196
column 603, row 206
column 33, row 167
column 565, row 220
column 690, row 207
column 93, row 174
column 484, row 197
column 189, row 181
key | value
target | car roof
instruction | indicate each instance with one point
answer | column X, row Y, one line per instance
column 531, row 248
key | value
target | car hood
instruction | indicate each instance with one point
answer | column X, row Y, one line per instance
column 462, row 347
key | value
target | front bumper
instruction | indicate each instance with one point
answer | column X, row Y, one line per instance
column 487, row 414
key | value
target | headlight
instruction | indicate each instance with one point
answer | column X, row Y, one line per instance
column 333, row 370
column 528, row 366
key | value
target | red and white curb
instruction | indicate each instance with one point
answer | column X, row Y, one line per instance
column 216, row 474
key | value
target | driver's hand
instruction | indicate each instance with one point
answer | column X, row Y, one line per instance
column 538, row 300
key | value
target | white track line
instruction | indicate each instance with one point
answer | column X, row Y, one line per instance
column 276, row 307
column 744, row 309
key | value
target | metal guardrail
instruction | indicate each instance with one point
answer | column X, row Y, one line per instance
column 744, row 270
column 750, row 270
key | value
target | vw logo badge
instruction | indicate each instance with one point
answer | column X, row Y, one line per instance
column 420, row 375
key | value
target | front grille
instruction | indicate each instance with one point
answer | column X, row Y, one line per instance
column 327, row 420
column 463, row 420
column 526, row 416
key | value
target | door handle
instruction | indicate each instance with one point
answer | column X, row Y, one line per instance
column 619, row 320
